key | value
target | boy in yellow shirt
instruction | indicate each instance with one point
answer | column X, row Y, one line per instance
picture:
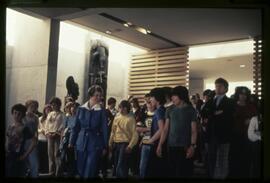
column 123, row 138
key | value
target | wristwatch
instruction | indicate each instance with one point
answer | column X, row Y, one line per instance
column 194, row 146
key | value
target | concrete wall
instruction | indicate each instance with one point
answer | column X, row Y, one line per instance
column 196, row 85
column 26, row 61
column 73, row 59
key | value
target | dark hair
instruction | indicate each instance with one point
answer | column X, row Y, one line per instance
column 29, row 102
column 19, row 107
column 167, row 92
column 254, row 98
column 147, row 95
column 182, row 93
column 209, row 93
column 159, row 95
column 135, row 102
column 111, row 100
column 93, row 89
column 56, row 100
column 223, row 82
column 125, row 104
column 44, row 115
column 193, row 97
column 242, row 90
column 36, row 103
column 197, row 95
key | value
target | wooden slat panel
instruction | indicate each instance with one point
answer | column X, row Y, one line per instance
column 140, row 88
column 141, row 84
column 257, row 65
column 132, row 73
column 179, row 74
column 166, row 50
column 176, row 69
column 172, row 57
column 171, row 61
column 143, row 64
column 177, row 52
column 158, row 68
column 143, row 80
column 144, row 60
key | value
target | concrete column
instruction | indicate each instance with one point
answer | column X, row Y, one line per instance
column 52, row 59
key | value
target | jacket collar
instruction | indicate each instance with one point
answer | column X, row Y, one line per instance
column 96, row 107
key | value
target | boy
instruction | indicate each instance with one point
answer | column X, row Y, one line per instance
column 123, row 137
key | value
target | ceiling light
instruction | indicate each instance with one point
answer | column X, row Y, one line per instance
column 128, row 24
column 242, row 66
column 148, row 31
column 108, row 32
column 142, row 30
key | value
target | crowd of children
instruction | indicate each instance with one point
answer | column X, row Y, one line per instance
column 162, row 138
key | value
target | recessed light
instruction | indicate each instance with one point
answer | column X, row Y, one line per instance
column 242, row 66
column 128, row 24
column 108, row 32
column 142, row 30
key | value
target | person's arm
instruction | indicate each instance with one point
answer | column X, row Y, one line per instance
column 191, row 149
column 163, row 137
column 34, row 141
column 104, row 127
column 47, row 122
column 142, row 129
column 60, row 124
column 112, row 132
column 75, row 130
column 251, row 130
column 134, row 134
column 157, row 135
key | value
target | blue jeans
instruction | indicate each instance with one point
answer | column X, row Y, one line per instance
column 121, row 160
column 33, row 163
column 145, row 153
column 32, row 160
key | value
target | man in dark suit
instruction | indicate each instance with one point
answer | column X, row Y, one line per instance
column 220, row 126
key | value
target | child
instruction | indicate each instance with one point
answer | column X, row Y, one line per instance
column 123, row 138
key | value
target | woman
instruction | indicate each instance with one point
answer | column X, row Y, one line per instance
column 31, row 121
column 90, row 134
column 42, row 141
column 240, row 146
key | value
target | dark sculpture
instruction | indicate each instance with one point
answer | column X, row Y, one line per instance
column 72, row 89
column 98, row 67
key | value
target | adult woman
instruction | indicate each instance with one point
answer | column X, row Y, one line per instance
column 90, row 134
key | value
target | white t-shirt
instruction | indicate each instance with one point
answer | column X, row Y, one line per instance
column 253, row 129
